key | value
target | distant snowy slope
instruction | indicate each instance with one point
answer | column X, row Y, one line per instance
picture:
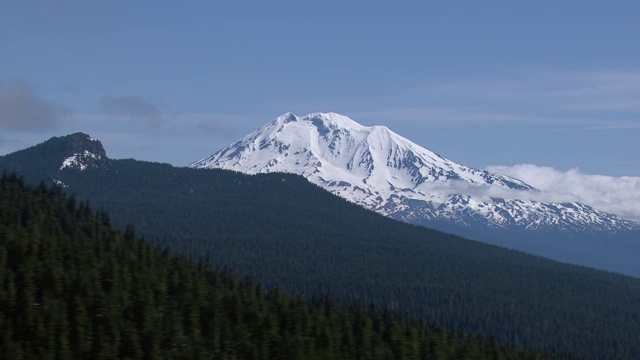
column 385, row 172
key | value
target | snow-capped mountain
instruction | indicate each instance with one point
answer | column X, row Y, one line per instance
column 385, row 172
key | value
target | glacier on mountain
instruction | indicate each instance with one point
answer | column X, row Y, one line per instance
column 385, row 172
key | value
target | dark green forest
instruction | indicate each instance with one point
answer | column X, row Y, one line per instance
column 73, row 287
column 286, row 233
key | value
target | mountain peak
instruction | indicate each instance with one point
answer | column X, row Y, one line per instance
column 334, row 120
column 80, row 142
column 320, row 120
column 79, row 150
column 380, row 170
column 76, row 151
column 286, row 118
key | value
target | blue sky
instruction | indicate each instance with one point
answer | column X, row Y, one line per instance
column 550, row 83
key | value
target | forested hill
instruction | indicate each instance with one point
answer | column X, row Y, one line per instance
column 72, row 287
column 285, row 232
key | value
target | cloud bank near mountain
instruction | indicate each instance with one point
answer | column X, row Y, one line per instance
column 617, row 195
column 22, row 110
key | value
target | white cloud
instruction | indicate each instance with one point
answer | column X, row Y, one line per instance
column 617, row 195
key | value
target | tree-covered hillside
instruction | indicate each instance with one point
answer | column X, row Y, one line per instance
column 285, row 232
column 72, row 287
